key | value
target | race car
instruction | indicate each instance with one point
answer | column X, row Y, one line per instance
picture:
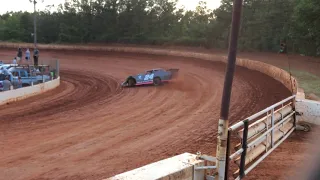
column 154, row 76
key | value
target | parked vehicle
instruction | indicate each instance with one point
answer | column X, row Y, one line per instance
column 28, row 76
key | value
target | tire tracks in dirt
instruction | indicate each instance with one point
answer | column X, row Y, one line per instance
column 90, row 128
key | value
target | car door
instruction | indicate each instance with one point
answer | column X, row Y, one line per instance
column 15, row 73
column 24, row 76
column 148, row 76
column 2, row 78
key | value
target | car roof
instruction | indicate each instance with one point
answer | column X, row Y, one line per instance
column 4, row 71
column 6, row 65
column 156, row 69
column 17, row 68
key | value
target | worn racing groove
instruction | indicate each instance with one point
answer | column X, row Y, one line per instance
column 91, row 128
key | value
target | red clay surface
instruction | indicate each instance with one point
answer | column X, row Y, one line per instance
column 90, row 128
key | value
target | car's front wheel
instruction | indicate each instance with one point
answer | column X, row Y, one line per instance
column 131, row 82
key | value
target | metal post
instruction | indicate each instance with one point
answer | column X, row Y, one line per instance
column 267, row 126
column 272, row 131
column 226, row 174
column 224, row 112
column 35, row 23
column 57, row 73
column 31, row 75
column 244, row 147
column 294, row 117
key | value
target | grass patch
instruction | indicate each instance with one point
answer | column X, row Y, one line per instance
column 309, row 82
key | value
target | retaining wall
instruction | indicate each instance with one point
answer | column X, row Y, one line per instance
column 309, row 111
column 272, row 71
column 178, row 167
column 22, row 93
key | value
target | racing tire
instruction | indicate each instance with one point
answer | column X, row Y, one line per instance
column 131, row 82
column 157, row 81
column 307, row 127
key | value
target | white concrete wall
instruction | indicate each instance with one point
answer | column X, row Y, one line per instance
column 178, row 167
column 309, row 110
column 22, row 93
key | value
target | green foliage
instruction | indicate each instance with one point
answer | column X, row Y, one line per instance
column 306, row 31
column 264, row 24
column 309, row 82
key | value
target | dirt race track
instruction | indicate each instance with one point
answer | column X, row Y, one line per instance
column 90, row 128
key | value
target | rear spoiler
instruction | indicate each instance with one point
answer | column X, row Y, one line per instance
column 173, row 70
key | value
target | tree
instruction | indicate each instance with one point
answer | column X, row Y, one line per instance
column 306, row 30
column 264, row 24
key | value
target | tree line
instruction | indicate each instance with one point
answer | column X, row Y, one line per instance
column 265, row 24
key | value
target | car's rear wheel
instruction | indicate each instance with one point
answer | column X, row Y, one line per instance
column 157, row 81
column 131, row 82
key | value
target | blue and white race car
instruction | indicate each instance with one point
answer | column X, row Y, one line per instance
column 153, row 76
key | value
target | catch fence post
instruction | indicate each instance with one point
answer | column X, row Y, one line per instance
column 272, row 125
column 226, row 174
column 244, row 147
column 57, row 68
